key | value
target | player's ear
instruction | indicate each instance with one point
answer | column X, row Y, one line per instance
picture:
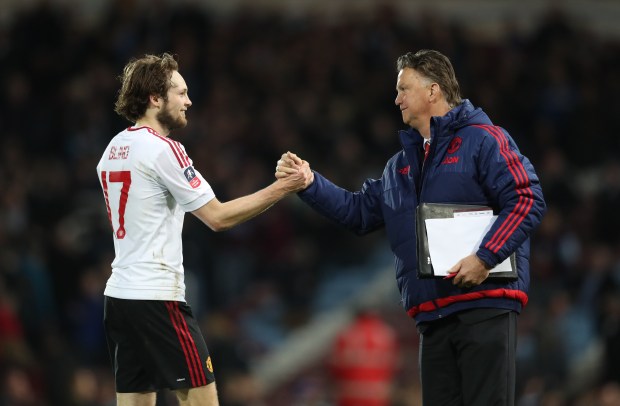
column 155, row 100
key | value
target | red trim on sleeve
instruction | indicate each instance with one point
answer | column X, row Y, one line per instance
column 526, row 199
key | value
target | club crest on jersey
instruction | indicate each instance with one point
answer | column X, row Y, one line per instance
column 455, row 144
column 191, row 177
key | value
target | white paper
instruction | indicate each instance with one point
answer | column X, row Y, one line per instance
column 452, row 239
column 470, row 213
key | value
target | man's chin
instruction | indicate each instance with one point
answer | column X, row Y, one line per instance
column 178, row 125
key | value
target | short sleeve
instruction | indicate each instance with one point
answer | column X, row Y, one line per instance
column 177, row 173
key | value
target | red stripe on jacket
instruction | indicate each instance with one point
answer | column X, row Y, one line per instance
column 518, row 214
column 432, row 305
column 526, row 200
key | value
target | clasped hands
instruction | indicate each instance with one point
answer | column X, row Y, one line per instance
column 292, row 168
column 468, row 272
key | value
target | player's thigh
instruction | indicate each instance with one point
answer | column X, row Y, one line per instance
column 156, row 345
column 136, row 399
column 200, row 396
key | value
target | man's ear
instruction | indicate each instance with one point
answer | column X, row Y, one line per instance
column 155, row 100
column 434, row 91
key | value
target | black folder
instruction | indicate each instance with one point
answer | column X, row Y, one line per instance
column 443, row 210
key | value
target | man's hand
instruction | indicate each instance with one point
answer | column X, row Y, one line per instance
column 291, row 165
column 470, row 271
column 293, row 172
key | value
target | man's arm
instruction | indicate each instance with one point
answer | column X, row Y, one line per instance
column 510, row 179
column 360, row 211
column 222, row 216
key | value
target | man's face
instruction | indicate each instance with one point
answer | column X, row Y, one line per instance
column 413, row 98
column 172, row 113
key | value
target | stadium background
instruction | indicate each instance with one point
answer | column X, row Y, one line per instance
column 316, row 78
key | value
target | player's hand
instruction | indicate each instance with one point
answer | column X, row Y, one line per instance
column 291, row 166
column 469, row 272
column 288, row 164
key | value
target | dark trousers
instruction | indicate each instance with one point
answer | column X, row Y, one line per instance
column 468, row 359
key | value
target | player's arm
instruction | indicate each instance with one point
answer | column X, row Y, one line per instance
column 220, row 216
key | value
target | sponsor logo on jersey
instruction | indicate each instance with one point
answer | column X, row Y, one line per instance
column 191, row 177
column 209, row 364
column 450, row 160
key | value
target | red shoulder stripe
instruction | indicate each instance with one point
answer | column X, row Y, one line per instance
column 175, row 149
column 179, row 154
column 182, row 153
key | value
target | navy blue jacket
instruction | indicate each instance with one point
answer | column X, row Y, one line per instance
column 471, row 161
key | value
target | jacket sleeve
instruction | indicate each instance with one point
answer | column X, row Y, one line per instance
column 510, row 181
column 358, row 211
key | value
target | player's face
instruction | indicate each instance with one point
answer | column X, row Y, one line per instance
column 172, row 113
column 412, row 98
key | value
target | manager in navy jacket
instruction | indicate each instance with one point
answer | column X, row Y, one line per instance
column 467, row 324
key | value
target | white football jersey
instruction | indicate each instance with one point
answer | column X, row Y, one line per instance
column 148, row 184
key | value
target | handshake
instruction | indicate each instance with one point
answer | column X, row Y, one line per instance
column 293, row 173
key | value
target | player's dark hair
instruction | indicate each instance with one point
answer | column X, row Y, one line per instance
column 141, row 78
column 436, row 67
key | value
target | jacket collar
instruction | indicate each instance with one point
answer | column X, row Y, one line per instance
column 460, row 116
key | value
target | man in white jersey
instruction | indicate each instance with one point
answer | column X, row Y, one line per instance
column 149, row 183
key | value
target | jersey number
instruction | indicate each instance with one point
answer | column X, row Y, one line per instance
column 125, row 178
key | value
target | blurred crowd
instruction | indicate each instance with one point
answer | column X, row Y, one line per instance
column 262, row 84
